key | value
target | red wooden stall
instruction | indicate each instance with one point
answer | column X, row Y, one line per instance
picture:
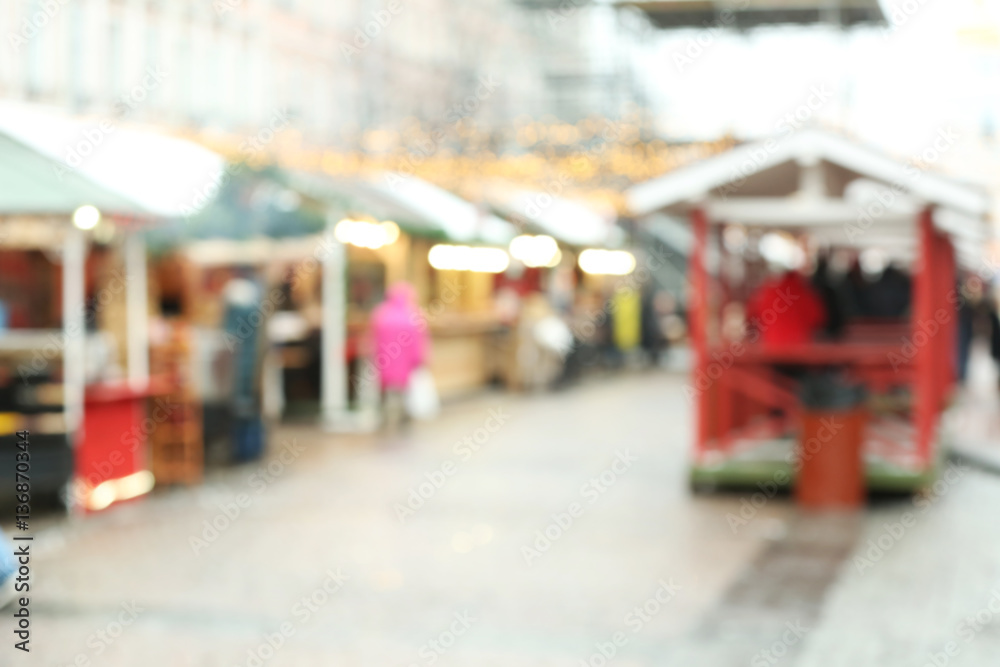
column 746, row 412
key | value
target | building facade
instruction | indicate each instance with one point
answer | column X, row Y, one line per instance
column 335, row 68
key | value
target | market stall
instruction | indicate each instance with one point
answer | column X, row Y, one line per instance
column 887, row 355
column 394, row 228
column 72, row 340
column 573, row 253
column 231, row 278
column 456, row 278
column 169, row 179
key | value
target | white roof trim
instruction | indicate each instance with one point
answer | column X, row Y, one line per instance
column 254, row 251
column 796, row 212
column 166, row 175
column 568, row 220
column 689, row 184
column 461, row 220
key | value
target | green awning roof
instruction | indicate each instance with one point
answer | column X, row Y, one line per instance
column 418, row 207
column 33, row 184
column 359, row 198
column 276, row 203
column 257, row 202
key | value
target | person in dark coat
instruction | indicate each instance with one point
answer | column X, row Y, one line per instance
column 651, row 338
column 831, row 291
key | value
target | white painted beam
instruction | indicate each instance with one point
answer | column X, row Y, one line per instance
column 74, row 252
column 136, row 311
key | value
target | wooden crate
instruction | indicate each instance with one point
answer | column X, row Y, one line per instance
column 176, row 444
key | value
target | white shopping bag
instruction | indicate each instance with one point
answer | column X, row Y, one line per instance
column 422, row 401
column 553, row 334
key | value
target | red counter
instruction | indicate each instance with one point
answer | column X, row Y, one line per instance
column 111, row 450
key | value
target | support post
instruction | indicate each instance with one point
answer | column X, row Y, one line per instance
column 136, row 311
column 926, row 404
column 951, row 325
column 698, row 322
column 74, row 330
column 334, row 332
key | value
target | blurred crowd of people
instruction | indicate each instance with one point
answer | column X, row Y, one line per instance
column 821, row 305
column 552, row 341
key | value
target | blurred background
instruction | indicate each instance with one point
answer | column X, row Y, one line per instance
column 514, row 332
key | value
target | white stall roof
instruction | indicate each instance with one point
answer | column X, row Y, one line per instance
column 457, row 218
column 33, row 185
column 567, row 220
column 163, row 174
column 773, row 168
column 823, row 182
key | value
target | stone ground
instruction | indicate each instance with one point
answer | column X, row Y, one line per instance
column 467, row 579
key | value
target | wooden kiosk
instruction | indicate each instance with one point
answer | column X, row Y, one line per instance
column 823, row 189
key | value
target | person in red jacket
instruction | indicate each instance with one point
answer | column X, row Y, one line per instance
column 786, row 310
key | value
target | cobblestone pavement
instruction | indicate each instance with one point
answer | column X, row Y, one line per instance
column 514, row 530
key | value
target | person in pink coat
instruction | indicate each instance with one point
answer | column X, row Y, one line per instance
column 400, row 337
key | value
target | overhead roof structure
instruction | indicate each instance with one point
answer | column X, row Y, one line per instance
column 256, row 203
column 567, row 220
column 34, row 184
column 460, row 220
column 167, row 176
column 839, row 190
column 668, row 14
column 418, row 207
column 356, row 197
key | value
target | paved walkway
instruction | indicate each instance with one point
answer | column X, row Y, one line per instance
column 514, row 530
column 973, row 422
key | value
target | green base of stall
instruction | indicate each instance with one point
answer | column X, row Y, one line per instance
column 750, row 472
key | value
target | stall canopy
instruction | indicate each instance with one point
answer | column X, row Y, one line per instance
column 35, row 184
column 567, row 220
column 38, row 199
column 418, row 207
column 251, row 203
column 346, row 198
column 741, row 15
column 838, row 190
column 166, row 176
column 459, row 220
column 176, row 179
